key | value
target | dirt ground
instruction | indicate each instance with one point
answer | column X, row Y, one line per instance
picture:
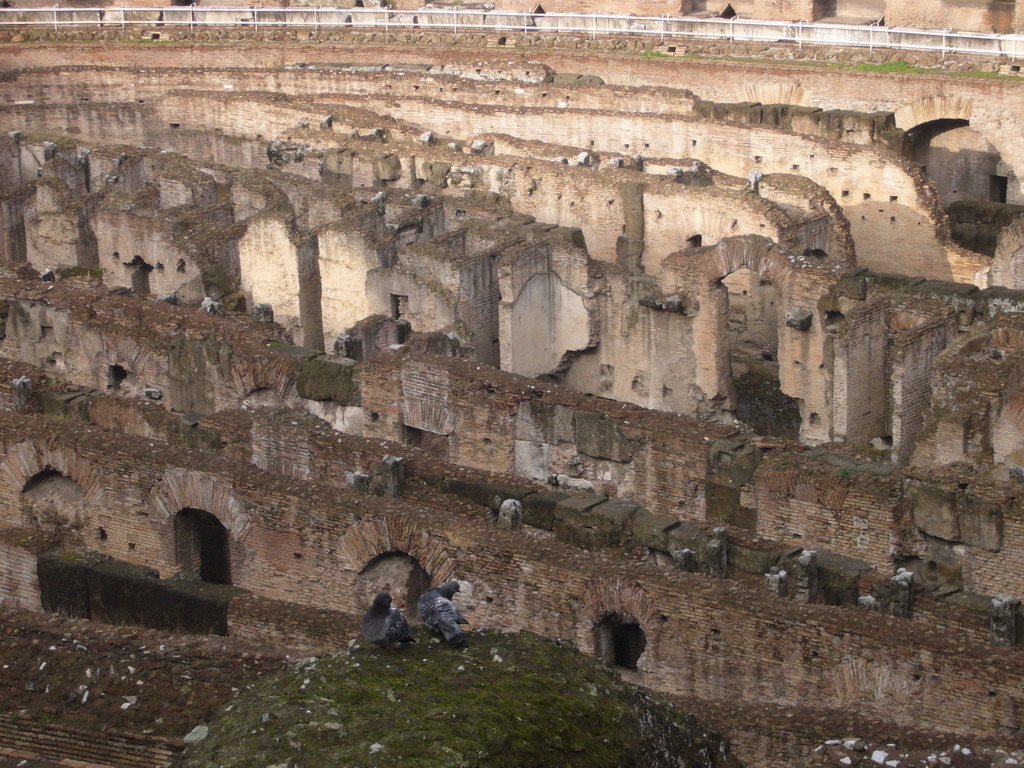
column 99, row 677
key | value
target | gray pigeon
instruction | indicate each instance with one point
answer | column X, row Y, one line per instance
column 440, row 614
column 385, row 625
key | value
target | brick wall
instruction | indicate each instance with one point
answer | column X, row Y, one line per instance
column 860, row 383
column 825, row 506
column 118, row 749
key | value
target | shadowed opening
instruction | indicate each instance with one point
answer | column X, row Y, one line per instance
column 619, row 641
column 398, row 573
column 201, row 544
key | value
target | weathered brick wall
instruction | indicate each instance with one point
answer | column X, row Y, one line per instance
column 19, row 584
column 976, row 16
column 198, row 362
column 730, row 148
column 514, row 425
column 728, row 82
column 715, row 641
column 860, row 383
column 115, row 748
column 826, row 506
column 912, row 355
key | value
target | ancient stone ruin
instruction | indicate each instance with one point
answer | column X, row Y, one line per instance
column 711, row 367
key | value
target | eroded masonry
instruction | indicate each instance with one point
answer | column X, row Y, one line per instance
column 716, row 374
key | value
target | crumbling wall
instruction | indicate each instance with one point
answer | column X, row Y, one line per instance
column 838, row 506
column 860, row 384
column 282, row 270
column 582, row 442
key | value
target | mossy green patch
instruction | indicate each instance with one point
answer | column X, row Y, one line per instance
column 505, row 701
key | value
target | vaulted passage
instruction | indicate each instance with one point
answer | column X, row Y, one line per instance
column 201, row 545
column 619, row 641
column 961, row 162
column 753, row 332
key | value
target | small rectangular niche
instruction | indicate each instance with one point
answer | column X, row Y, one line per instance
column 997, row 188
column 174, row 126
column 399, row 306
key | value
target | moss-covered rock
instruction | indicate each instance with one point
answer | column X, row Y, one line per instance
column 505, row 701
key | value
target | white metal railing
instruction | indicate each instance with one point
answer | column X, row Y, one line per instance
column 458, row 20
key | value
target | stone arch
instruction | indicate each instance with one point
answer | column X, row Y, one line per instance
column 796, row 370
column 619, row 641
column 776, row 93
column 933, row 108
column 34, row 459
column 254, row 373
column 396, row 572
column 51, row 501
column 959, row 160
column 367, row 540
column 182, row 489
column 612, row 612
column 117, row 362
column 753, row 252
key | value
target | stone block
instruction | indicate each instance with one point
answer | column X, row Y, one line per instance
column 934, row 511
column 486, row 493
column 839, row 578
column 686, row 536
column 436, row 173
column 387, row 167
column 329, row 378
column 733, row 462
column 539, row 508
column 650, row 530
column 66, row 405
column 535, row 421
column 981, row 523
column 751, row 558
column 532, row 459
column 600, row 437
column 591, row 521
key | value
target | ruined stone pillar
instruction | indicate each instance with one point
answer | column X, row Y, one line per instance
column 806, row 576
column 777, row 582
column 22, row 391
column 716, row 554
column 1004, row 620
column 360, row 481
column 685, row 559
column 901, row 599
column 393, row 476
column 510, row 515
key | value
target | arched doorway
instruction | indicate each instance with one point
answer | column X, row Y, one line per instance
column 202, row 546
column 398, row 573
column 959, row 160
column 619, row 641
